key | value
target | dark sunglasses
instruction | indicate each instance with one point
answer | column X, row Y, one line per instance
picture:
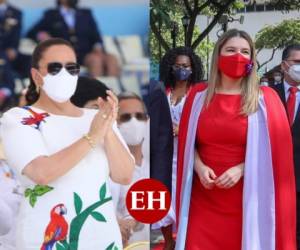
column 55, row 67
column 138, row 115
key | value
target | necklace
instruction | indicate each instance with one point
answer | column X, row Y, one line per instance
column 174, row 101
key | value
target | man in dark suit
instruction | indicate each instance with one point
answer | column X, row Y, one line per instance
column 10, row 30
column 161, row 135
column 289, row 93
column 78, row 26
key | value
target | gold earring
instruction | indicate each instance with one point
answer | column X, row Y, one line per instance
column 37, row 89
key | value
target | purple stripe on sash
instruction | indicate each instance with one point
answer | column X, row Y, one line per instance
column 259, row 194
column 188, row 169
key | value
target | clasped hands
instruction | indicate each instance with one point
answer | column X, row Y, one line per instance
column 226, row 180
column 102, row 123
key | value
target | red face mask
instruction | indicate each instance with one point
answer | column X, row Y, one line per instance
column 235, row 66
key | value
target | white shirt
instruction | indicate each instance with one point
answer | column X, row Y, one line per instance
column 287, row 93
column 264, row 84
column 24, row 140
column 69, row 16
column 9, row 205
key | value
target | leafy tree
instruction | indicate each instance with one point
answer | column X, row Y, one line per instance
column 277, row 37
column 162, row 12
column 286, row 4
column 167, row 14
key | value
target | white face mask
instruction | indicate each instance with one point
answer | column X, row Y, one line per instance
column 264, row 83
column 277, row 78
column 60, row 87
column 294, row 72
column 133, row 131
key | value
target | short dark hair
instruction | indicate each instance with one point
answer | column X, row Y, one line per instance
column 73, row 3
column 169, row 59
column 287, row 51
column 127, row 95
column 32, row 95
column 88, row 89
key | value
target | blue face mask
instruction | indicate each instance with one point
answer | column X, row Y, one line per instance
column 181, row 74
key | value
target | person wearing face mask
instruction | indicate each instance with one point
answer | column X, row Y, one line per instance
column 277, row 77
column 133, row 123
column 77, row 25
column 180, row 68
column 289, row 93
column 264, row 81
column 63, row 156
column 235, row 182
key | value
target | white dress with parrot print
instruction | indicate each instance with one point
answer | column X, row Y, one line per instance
column 74, row 212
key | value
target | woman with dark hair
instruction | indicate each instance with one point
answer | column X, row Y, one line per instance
column 88, row 91
column 180, row 68
column 63, row 155
column 235, row 178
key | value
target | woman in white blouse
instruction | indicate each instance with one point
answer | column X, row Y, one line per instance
column 63, row 155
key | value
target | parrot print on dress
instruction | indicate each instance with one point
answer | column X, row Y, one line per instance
column 57, row 228
column 35, row 119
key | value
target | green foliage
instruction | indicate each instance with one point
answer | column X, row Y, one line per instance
column 59, row 247
column 278, row 36
column 112, row 247
column 97, row 216
column 82, row 215
column 166, row 12
column 286, row 4
column 202, row 50
column 38, row 190
column 32, row 200
column 102, row 192
column 77, row 203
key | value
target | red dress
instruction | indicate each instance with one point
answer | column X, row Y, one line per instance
column 215, row 218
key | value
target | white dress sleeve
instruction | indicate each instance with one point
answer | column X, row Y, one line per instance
column 22, row 143
column 6, row 216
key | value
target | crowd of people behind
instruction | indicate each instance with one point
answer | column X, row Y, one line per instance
column 66, row 20
column 82, row 47
column 220, row 182
column 88, row 103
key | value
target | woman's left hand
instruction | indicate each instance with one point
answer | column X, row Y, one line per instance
column 230, row 177
column 112, row 104
column 112, row 101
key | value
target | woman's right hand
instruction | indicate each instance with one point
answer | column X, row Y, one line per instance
column 102, row 121
column 207, row 176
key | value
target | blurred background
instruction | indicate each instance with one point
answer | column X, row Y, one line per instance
column 272, row 24
column 116, row 52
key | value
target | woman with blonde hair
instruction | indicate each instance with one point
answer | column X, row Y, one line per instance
column 235, row 187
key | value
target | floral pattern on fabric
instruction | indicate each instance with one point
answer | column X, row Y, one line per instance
column 35, row 119
column 37, row 191
column 57, row 229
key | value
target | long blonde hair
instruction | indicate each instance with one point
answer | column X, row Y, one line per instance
column 250, row 87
